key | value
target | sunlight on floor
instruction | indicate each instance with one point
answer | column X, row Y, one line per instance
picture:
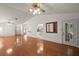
column 40, row 48
column 9, row 51
column 25, row 37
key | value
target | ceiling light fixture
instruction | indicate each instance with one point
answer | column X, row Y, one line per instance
column 36, row 9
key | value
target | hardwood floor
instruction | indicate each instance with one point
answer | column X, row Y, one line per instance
column 30, row 46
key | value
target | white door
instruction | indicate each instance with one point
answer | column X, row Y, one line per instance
column 70, row 32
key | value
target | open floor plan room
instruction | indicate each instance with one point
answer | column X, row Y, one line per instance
column 39, row 29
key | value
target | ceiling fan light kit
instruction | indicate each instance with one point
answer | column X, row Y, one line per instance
column 36, row 9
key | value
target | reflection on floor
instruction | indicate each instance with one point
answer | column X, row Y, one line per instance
column 30, row 46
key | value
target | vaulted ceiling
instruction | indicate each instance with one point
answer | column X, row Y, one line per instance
column 51, row 8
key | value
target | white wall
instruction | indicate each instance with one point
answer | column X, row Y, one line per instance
column 78, row 33
column 7, row 30
column 8, row 14
column 43, row 19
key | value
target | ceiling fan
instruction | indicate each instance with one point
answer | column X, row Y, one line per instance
column 36, row 9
